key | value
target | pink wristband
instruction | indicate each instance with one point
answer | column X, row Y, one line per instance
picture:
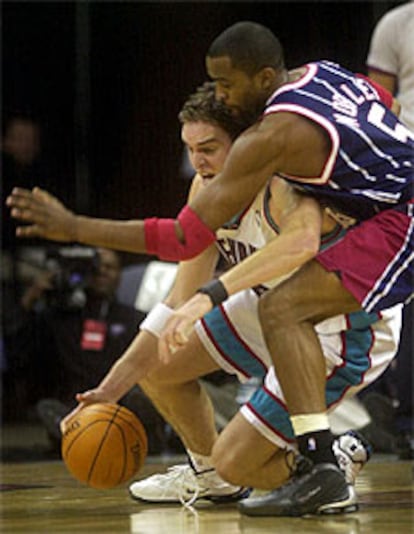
column 162, row 241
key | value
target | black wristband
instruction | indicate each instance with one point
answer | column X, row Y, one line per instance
column 215, row 290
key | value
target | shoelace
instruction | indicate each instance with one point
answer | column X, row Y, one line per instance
column 186, row 481
column 189, row 482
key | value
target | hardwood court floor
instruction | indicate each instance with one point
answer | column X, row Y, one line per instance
column 41, row 497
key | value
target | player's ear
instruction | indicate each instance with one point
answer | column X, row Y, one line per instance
column 266, row 78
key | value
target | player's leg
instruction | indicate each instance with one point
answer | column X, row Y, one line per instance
column 245, row 457
column 177, row 394
column 288, row 315
column 352, row 359
column 258, row 445
column 257, row 448
column 181, row 399
column 371, row 265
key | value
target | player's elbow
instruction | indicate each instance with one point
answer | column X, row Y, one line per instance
column 177, row 240
column 308, row 242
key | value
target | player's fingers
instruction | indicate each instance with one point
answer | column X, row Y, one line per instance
column 23, row 199
column 90, row 396
column 24, row 213
column 65, row 422
column 26, row 206
column 63, row 425
column 165, row 350
column 29, row 231
column 20, row 192
column 44, row 196
column 18, row 201
column 20, row 195
column 179, row 337
column 182, row 332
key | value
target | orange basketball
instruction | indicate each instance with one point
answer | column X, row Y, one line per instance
column 104, row 445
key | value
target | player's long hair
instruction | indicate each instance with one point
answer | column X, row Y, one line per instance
column 202, row 106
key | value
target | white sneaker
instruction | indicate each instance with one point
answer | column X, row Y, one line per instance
column 182, row 484
column 352, row 452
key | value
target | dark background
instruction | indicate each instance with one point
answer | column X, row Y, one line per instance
column 107, row 79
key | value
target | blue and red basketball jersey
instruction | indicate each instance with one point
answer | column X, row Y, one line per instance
column 370, row 166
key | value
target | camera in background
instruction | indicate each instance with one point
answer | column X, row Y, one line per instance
column 72, row 267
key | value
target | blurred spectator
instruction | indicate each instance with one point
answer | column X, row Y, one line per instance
column 70, row 331
column 391, row 57
column 390, row 400
column 22, row 141
column 21, row 163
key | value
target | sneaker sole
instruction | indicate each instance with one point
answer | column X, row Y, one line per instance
column 343, row 507
column 338, row 509
column 215, row 499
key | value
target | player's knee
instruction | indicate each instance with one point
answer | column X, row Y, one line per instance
column 277, row 308
column 227, row 464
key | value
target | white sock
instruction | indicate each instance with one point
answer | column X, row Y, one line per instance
column 200, row 462
column 303, row 424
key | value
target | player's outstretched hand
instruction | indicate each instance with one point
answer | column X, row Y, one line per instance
column 91, row 396
column 180, row 325
column 46, row 215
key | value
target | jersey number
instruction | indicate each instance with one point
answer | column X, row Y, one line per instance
column 399, row 132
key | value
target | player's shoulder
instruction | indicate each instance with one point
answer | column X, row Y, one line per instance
column 283, row 127
column 400, row 12
column 394, row 17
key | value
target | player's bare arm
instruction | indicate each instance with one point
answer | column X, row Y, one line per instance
column 48, row 218
column 135, row 363
column 140, row 358
column 298, row 242
column 282, row 142
column 193, row 273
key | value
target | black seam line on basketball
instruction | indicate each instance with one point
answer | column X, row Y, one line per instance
column 80, row 433
column 140, row 437
column 119, row 415
column 141, row 433
column 124, row 456
column 138, row 428
column 101, row 444
column 83, row 430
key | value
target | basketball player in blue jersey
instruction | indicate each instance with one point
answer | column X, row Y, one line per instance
column 327, row 131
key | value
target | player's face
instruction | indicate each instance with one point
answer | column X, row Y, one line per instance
column 207, row 145
column 242, row 93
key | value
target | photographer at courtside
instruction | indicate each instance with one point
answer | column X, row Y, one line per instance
column 71, row 330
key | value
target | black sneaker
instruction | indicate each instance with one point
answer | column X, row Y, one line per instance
column 313, row 489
